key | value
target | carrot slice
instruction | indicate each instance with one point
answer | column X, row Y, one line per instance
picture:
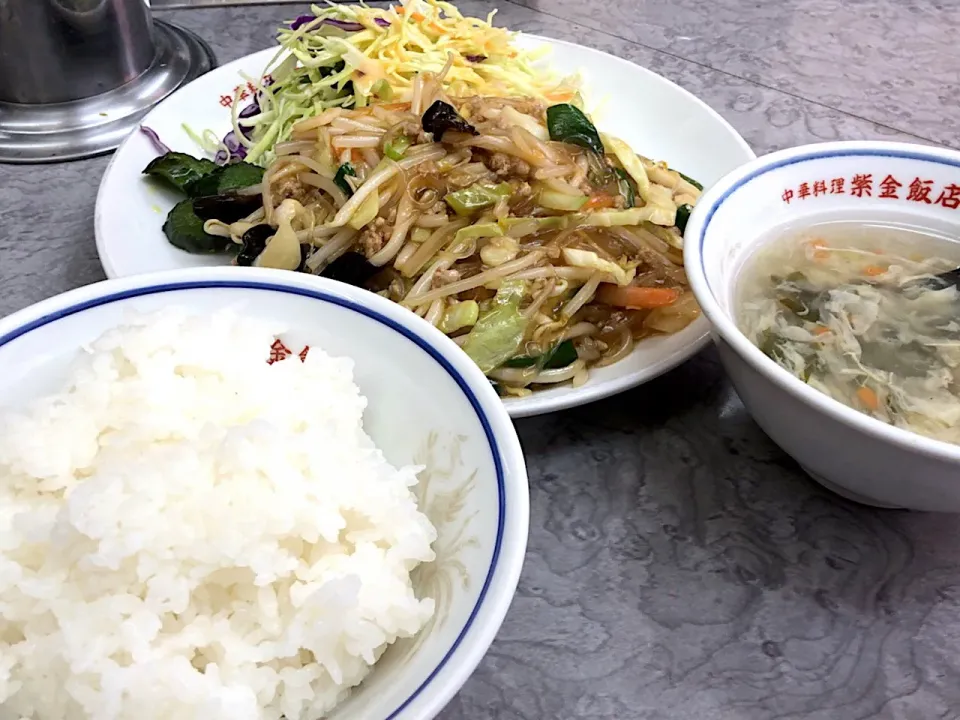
column 868, row 398
column 600, row 200
column 874, row 270
column 821, row 330
column 820, row 249
column 637, row 298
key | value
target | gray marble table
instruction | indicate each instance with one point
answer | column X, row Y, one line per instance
column 680, row 566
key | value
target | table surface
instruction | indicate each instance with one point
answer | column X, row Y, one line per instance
column 680, row 566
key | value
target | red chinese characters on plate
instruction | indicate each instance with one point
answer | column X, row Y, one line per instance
column 243, row 92
column 888, row 187
column 279, row 351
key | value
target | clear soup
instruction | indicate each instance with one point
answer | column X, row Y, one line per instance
column 868, row 314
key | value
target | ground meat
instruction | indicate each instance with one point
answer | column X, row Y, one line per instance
column 507, row 165
column 527, row 106
column 414, row 130
column 457, row 180
column 427, row 168
column 374, row 237
column 438, row 208
column 408, row 127
column 523, row 191
column 290, row 187
column 585, row 187
column 476, row 105
column 445, row 277
column 521, row 201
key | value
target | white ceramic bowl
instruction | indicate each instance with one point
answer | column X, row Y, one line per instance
column 855, row 455
column 428, row 404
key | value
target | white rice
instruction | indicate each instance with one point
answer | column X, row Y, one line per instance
column 187, row 532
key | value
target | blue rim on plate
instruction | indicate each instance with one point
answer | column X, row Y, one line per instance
column 367, row 312
column 786, row 162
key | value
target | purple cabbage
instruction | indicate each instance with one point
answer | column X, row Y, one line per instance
column 154, row 139
column 382, row 22
column 345, row 25
column 250, row 110
column 475, row 58
column 301, row 20
column 235, row 152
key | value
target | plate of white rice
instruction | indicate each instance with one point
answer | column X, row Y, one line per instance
column 246, row 496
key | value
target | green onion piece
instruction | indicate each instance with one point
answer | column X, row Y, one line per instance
column 458, row 316
column 340, row 179
column 518, row 227
column 419, row 235
column 478, row 230
column 476, row 197
column 366, row 212
column 396, row 148
column 627, row 187
column 561, row 201
column 381, row 88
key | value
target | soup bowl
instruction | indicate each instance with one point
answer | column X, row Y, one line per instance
column 853, row 454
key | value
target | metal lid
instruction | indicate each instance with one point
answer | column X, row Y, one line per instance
column 48, row 132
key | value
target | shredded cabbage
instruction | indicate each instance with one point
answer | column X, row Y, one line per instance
column 321, row 65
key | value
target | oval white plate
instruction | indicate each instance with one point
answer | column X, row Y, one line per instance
column 656, row 117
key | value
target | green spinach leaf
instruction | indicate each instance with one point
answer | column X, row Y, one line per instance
column 690, row 180
column 184, row 230
column 566, row 123
column 178, row 170
column 224, row 179
column 559, row 356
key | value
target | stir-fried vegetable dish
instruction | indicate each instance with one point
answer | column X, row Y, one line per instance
column 466, row 187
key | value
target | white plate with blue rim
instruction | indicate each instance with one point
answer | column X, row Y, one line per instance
column 654, row 116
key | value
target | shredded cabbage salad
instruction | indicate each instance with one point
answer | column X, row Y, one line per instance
column 347, row 56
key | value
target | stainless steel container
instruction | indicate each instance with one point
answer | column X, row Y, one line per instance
column 77, row 75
